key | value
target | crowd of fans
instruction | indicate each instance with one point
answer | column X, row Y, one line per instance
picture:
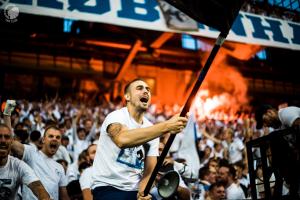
column 223, row 171
column 266, row 9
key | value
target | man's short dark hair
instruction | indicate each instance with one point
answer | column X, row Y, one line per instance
column 81, row 129
column 61, row 125
column 216, row 185
column 74, row 190
column 213, row 160
column 259, row 115
column 35, row 135
column 223, row 161
column 50, row 123
column 204, row 171
column 54, row 127
column 231, row 169
column 65, row 137
column 22, row 135
column 127, row 86
column 240, row 164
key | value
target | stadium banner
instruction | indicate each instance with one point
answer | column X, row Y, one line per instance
column 146, row 14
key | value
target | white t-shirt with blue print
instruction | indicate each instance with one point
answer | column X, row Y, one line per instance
column 120, row 168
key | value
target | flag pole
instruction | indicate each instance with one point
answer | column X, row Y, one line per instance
column 221, row 38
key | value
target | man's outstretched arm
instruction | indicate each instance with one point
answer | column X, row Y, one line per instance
column 17, row 148
column 124, row 137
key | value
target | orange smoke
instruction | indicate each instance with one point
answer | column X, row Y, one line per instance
column 88, row 86
column 222, row 95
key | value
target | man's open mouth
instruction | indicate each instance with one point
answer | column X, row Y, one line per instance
column 144, row 99
column 54, row 146
column 3, row 147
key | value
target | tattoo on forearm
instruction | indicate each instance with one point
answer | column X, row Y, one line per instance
column 114, row 129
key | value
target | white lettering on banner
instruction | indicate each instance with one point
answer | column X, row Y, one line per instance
column 146, row 14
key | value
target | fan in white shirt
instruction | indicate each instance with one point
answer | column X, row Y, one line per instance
column 14, row 172
column 50, row 172
column 227, row 176
column 119, row 161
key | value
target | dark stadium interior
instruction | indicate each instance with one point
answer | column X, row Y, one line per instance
column 38, row 46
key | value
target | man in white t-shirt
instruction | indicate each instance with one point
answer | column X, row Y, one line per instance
column 14, row 172
column 287, row 158
column 50, row 172
column 234, row 146
column 226, row 175
column 127, row 140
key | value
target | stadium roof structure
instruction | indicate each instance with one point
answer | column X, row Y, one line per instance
column 40, row 43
